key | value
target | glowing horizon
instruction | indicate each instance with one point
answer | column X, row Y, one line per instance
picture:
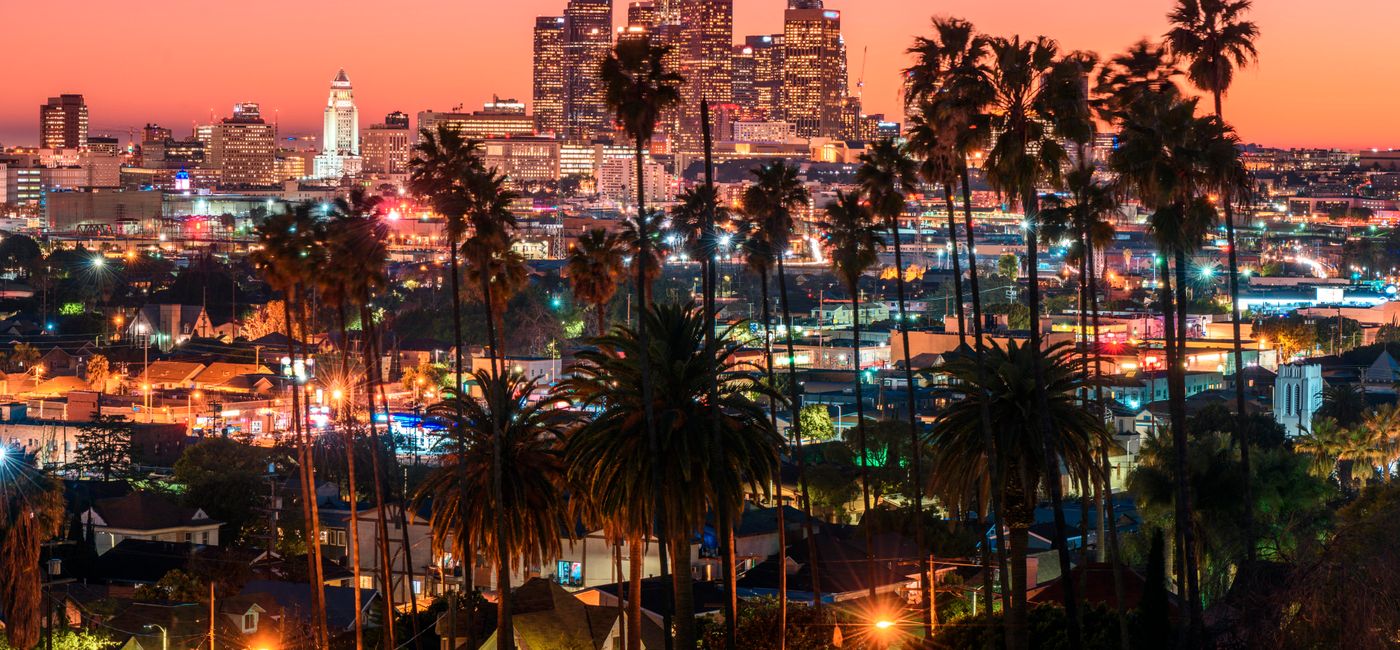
column 1319, row 81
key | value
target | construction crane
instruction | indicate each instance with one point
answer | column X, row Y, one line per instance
column 860, row 83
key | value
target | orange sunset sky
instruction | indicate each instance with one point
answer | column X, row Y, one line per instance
column 1327, row 75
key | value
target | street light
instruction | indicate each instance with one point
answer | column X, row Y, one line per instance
column 164, row 635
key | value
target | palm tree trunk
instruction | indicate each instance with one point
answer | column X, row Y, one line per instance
column 773, row 420
column 866, row 523
column 505, row 629
column 1052, row 463
column 916, row 479
column 795, row 397
column 635, row 565
column 308, row 491
column 1242, row 428
column 374, row 338
column 468, row 560
column 707, row 265
column 381, row 523
column 602, row 316
column 684, row 591
column 957, row 272
column 1188, row 533
column 648, row 408
column 1106, row 516
column 989, row 441
column 350, row 477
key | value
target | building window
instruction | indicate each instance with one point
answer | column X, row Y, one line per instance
column 250, row 622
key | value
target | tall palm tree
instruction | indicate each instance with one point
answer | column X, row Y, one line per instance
column 350, row 275
column 951, row 84
column 595, row 267
column 289, row 253
column 1159, row 160
column 647, row 266
column 31, row 512
column 442, row 169
column 1030, row 84
column 606, row 455
column 1026, row 447
column 769, row 203
column 527, row 491
column 639, row 90
column 760, row 259
column 853, row 246
column 1213, row 38
column 1082, row 213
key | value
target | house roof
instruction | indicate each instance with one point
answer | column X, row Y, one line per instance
column 220, row 372
column 148, row 511
column 171, row 372
column 295, row 598
column 546, row 616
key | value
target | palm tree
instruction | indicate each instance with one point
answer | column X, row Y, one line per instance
column 1082, row 213
column 648, row 267
column 1213, row 38
column 1025, row 446
column 527, row 490
column 1159, row 160
column 290, row 252
column 350, row 275
column 639, row 89
column 1031, row 88
column 952, row 86
column 606, row 454
column 885, row 175
column 769, row 203
column 31, row 512
column 853, row 245
column 443, row 166
column 595, row 268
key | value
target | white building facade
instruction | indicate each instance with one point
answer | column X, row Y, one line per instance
column 340, row 141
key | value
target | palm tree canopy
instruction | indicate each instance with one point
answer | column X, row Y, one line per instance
column 885, row 174
column 1083, row 208
column 852, row 241
column 595, row 266
column 770, row 202
column 608, row 455
column 956, row 49
column 443, row 166
column 696, row 206
column 1027, row 149
column 1143, row 72
column 639, row 87
column 630, row 236
column 1213, row 38
column 1006, row 386
column 290, row 248
column 533, row 491
column 498, row 265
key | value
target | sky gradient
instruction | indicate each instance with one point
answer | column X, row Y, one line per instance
column 1326, row 75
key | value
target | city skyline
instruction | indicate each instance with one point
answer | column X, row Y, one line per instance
column 1294, row 99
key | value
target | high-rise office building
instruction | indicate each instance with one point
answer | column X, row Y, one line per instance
column 745, row 94
column 243, row 147
column 643, row 14
column 549, row 73
column 340, row 140
column 707, row 50
column 63, row 122
column 767, row 54
column 588, row 31
column 388, row 146
column 498, row 119
column 813, row 68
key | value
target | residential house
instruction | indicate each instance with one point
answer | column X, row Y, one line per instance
column 148, row 516
column 544, row 615
column 166, row 326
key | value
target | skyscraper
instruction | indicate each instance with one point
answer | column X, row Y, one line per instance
column 387, row 146
column 745, row 95
column 549, row 74
column 767, row 75
column 707, row 33
column 588, row 33
column 813, row 68
column 63, row 122
column 243, row 147
column 340, row 141
column 643, row 14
